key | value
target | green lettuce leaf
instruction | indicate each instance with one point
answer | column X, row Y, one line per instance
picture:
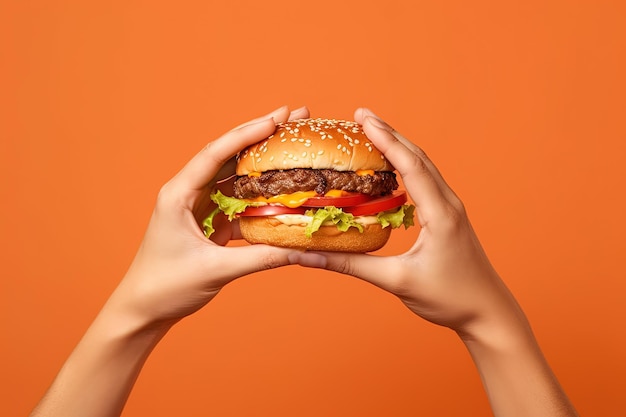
column 231, row 206
column 342, row 220
column 396, row 218
column 207, row 224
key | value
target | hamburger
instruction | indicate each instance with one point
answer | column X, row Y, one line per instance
column 315, row 184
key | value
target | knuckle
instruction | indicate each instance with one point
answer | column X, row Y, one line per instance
column 420, row 152
column 345, row 266
column 271, row 260
column 170, row 198
column 459, row 206
column 399, row 282
column 419, row 163
column 454, row 217
column 415, row 165
column 166, row 195
column 215, row 153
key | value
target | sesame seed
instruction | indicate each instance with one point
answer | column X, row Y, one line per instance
column 304, row 154
column 272, row 158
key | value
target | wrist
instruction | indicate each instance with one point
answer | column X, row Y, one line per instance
column 516, row 376
column 499, row 329
column 125, row 321
column 98, row 376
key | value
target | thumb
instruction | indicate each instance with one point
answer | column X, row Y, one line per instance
column 245, row 260
column 376, row 270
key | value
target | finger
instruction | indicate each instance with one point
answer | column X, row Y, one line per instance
column 362, row 113
column 244, row 260
column 419, row 181
column 363, row 266
column 227, row 170
column 205, row 165
column 300, row 113
column 279, row 115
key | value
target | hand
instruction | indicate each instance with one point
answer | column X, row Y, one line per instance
column 177, row 269
column 445, row 277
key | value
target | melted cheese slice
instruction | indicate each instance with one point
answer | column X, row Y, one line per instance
column 296, row 199
column 288, row 200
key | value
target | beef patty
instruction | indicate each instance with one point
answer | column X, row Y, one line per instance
column 288, row 181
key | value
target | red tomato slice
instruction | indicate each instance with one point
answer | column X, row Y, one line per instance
column 343, row 201
column 361, row 205
column 388, row 202
column 270, row 210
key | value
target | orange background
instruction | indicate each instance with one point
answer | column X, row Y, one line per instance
column 520, row 103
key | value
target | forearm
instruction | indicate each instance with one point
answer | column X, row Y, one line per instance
column 98, row 376
column 515, row 374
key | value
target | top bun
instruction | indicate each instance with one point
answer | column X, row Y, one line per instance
column 313, row 143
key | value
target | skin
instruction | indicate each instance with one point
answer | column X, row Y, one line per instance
column 445, row 278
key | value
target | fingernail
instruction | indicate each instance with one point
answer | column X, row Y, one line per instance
column 297, row 113
column 298, row 109
column 277, row 111
column 378, row 123
column 281, row 108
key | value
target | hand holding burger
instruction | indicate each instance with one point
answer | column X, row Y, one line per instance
column 446, row 278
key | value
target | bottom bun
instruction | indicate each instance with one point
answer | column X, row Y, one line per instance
column 327, row 238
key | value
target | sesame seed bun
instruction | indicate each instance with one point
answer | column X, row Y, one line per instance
column 328, row 238
column 313, row 143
